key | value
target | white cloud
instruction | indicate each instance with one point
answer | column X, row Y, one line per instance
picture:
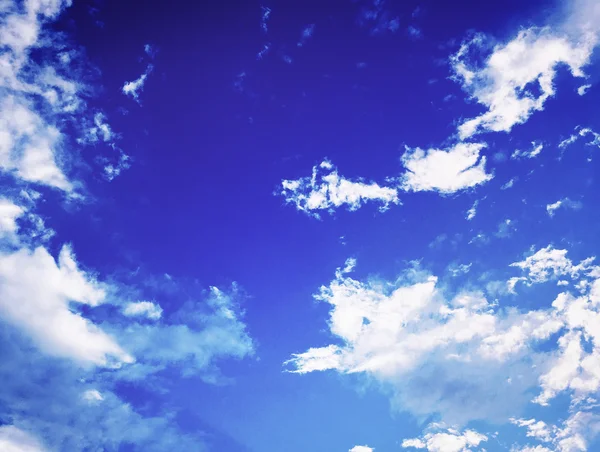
column 92, row 396
column 574, row 434
column 583, row 89
column 132, row 88
column 361, row 449
column 564, row 203
column 581, row 132
column 435, row 354
column 508, row 184
column 442, row 439
column 13, row 439
column 445, row 171
column 35, row 295
column 517, row 77
column 146, row 309
column 9, row 212
column 472, row 211
column 326, row 190
column 550, row 263
column 536, row 149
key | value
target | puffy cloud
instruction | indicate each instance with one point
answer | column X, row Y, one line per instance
column 564, row 203
column 583, row 89
column 132, row 88
column 361, row 449
column 442, row 439
column 574, row 435
column 517, row 77
column 146, row 309
column 445, row 171
column 536, row 149
column 36, row 293
column 550, row 263
column 435, row 354
column 13, row 439
column 326, row 190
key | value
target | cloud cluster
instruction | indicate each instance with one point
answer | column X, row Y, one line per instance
column 463, row 358
column 445, row 171
column 326, row 190
column 439, row 438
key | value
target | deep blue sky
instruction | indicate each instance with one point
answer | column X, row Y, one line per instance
column 211, row 137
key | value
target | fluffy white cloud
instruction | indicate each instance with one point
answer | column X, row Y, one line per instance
column 445, row 171
column 36, row 293
column 361, row 449
column 435, row 354
column 146, row 309
column 583, row 89
column 572, row 436
column 132, row 88
column 517, row 77
column 13, row 439
column 442, row 439
column 536, row 149
column 326, row 190
column 564, row 203
column 550, row 263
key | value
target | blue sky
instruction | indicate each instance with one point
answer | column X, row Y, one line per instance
column 339, row 226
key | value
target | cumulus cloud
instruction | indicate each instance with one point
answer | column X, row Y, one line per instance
column 434, row 353
column 583, row 89
column 536, row 149
column 439, row 438
column 516, row 78
column 564, row 203
column 36, row 293
column 445, row 171
column 9, row 212
column 327, row 190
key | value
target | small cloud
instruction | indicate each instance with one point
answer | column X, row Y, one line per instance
column 264, row 51
column 583, row 89
column 564, row 203
column 146, row 309
column 445, row 171
column 306, row 34
column 414, row 32
column 472, row 211
column 264, row 18
column 534, row 151
column 132, row 88
column 505, row 229
column 509, row 184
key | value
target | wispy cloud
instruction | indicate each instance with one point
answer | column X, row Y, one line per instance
column 564, row 203
column 134, row 87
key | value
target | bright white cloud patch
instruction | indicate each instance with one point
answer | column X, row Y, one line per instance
column 327, row 190
column 361, row 449
column 9, row 212
column 13, row 439
column 534, row 151
column 583, row 89
column 35, row 295
column 442, row 439
column 445, row 171
column 132, row 88
column 564, row 203
column 146, row 309
column 517, row 77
